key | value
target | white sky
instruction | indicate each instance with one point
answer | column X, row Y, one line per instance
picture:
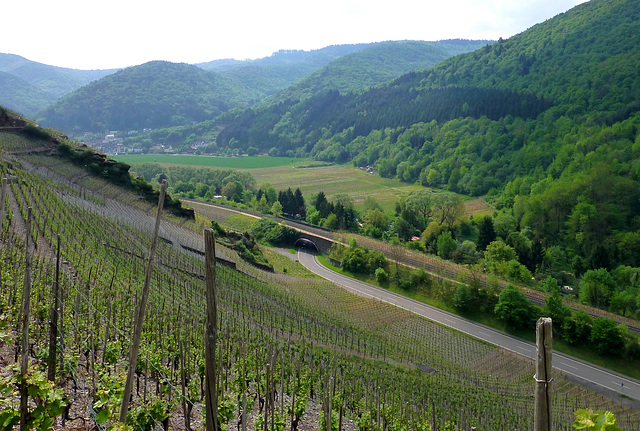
column 94, row 34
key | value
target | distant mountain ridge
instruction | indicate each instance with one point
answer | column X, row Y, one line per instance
column 163, row 94
column 375, row 64
column 582, row 61
column 53, row 82
column 21, row 96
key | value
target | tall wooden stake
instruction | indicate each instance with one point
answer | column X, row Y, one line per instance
column 137, row 333
column 3, row 191
column 53, row 328
column 26, row 305
column 211, row 333
column 544, row 340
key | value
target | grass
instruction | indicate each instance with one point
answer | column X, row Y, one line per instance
column 248, row 162
column 285, row 264
column 239, row 222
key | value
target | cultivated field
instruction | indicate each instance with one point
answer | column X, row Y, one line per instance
column 251, row 162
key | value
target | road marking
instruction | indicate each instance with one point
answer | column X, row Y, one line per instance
column 569, row 366
column 524, row 349
column 449, row 320
column 484, row 333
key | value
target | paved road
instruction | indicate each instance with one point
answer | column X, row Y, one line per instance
column 569, row 365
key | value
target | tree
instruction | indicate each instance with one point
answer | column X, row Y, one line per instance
column 375, row 223
column 468, row 252
column 555, row 309
column 322, row 205
column 606, row 338
column 271, row 193
column 276, row 209
column 504, row 224
column 513, row 307
column 463, row 298
column 499, row 252
column 288, row 202
column 597, row 287
column 623, row 301
column 300, row 204
column 331, row 222
column 420, row 202
column 578, row 328
column 446, row 208
column 446, row 245
column 486, row 234
column 403, row 229
column 229, row 191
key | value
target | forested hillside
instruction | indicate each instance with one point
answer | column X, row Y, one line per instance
column 366, row 66
column 155, row 94
column 375, row 64
column 282, row 68
column 19, row 95
column 581, row 61
column 50, row 81
column 545, row 123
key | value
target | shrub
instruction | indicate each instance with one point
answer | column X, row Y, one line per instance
column 382, row 276
column 35, row 132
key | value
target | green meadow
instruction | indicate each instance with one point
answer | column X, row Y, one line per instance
column 249, row 162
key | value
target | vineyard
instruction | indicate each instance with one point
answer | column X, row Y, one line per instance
column 293, row 352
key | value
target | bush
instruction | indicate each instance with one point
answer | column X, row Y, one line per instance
column 382, row 276
column 35, row 132
column 362, row 260
column 606, row 338
column 633, row 349
column 414, row 280
column 463, row 298
column 514, row 308
column 273, row 233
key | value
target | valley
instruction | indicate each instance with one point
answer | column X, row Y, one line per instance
column 326, row 328
column 457, row 191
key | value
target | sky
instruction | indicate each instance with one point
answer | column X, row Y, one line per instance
column 98, row 34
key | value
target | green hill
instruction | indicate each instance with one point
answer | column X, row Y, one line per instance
column 583, row 61
column 282, row 68
column 155, row 94
column 53, row 82
column 19, row 95
column 375, row 64
column 545, row 123
column 368, row 65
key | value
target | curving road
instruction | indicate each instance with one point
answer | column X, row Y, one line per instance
column 572, row 366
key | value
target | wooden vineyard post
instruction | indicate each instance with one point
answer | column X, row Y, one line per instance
column 3, row 198
column 53, row 328
column 137, row 332
column 544, row 339
column 211, row 333
column 26, row 305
